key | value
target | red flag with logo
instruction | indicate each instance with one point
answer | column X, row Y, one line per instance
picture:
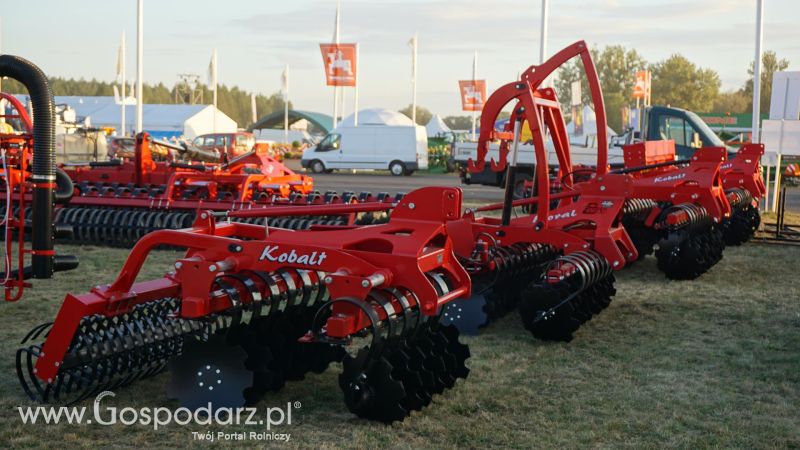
column 341, row 64
column 473, row 94
column 641, row 88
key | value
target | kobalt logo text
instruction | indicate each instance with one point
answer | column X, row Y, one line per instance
column 271, row 253
column 680, row 176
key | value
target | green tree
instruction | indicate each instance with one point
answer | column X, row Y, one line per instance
column 423, row 114
column 733, row 102
column 769, row 65
column 231, row 100
column 458, row 122
column 679, row 82
column 616, row 68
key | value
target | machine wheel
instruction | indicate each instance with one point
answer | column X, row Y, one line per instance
column 317, row 166
column 397, row 168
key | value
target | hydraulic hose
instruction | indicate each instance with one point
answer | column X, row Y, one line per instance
column 44, row 159
column 66, row 188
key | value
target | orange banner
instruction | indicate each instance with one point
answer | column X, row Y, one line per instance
column 641, row 89
column 341, row 64
column 473, row 94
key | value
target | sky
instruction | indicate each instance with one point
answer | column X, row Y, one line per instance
column 255, row 39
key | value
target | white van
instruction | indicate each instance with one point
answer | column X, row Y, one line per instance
column 399, row 148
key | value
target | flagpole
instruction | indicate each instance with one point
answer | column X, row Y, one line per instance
column 355, row 106
column 414, row 79
column 335, row 104
column 342, row 90
column 139, row 62
column 1, row 51
column 343, row 100
column 757, row 70
column 336, row 86
column 253, row 108
column 474, row 76
column 286, row 106
column 214, row 81
column 122, row 87
column 543, row 34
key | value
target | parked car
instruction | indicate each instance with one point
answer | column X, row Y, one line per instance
column 121, row 147
column 233, row 144
column 400, row 149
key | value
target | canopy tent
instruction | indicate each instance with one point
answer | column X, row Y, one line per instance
column 589, row 129
column 377, row 116
column 322, row 123
column 437, row 127
column 167, row 121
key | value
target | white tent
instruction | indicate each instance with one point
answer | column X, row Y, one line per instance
column 436, row 126
column 376, row 116
column 160, row 120
column 589, row 132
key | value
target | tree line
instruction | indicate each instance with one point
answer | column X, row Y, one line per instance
column 233, row 101
column 676, row 81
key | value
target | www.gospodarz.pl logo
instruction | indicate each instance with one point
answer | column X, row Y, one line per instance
column 156, row 417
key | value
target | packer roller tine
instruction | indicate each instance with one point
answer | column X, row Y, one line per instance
column 37, row 331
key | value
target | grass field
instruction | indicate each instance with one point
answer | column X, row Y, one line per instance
column 709, row 363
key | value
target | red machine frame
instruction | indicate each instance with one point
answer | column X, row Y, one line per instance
column 401, row 272
column 272, row 178
column 15, row 156
column 591, row 221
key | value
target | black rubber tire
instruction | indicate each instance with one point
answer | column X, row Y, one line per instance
column 397, row 168
column 316, row 166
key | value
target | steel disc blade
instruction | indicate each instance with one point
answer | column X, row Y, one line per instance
column 209, row 372
column 468, row 315
column 457, row 349
column 387, row 405
column 539, row 317
column 415, row 398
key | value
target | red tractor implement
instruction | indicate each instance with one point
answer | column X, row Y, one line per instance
column 251, row 306
column 744, row 186
column 247, row 177
column 30, row 181
column 678, row 205
column 555, row 258
column 227, row 320
column 117, row 202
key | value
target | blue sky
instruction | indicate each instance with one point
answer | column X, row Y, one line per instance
column 255, row 39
